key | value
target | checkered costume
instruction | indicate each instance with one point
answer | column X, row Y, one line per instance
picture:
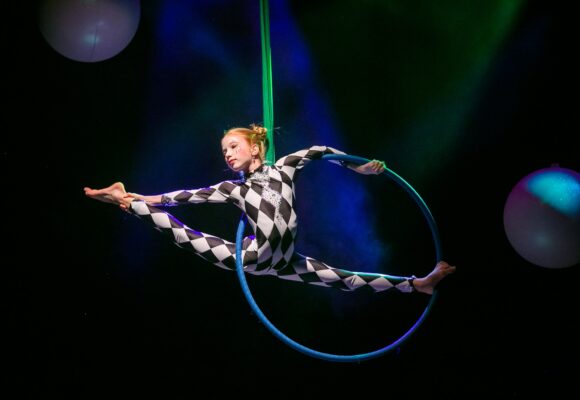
column 267, row 197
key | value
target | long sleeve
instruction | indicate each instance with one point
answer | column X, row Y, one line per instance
column 219, row 193
column 300, row 158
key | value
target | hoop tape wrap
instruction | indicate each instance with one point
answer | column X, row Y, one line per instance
column 336, row 357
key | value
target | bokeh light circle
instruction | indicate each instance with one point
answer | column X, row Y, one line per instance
column 542, row 217
column 89, row 30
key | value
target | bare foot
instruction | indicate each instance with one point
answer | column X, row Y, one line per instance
column 115, row 194
column 428, row 283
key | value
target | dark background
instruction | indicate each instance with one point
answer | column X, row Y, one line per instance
column 96, row 302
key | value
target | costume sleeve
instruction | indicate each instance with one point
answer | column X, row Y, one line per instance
column 300, row 158
column 219, row 193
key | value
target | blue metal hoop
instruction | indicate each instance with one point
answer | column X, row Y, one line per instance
column 336, row 357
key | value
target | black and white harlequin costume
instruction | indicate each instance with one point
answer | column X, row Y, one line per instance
column 267, row 197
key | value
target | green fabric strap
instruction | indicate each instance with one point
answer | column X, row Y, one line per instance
column 267, row 91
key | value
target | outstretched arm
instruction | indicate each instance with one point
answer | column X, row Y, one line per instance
column 299, row 159
column 116, row 194
column 219, row 193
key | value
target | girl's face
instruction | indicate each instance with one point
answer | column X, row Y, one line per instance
column 238, row 152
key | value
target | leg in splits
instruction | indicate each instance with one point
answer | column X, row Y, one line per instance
column 315, row 272
column 211, row 248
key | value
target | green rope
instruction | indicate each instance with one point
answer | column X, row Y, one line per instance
column 267, row 91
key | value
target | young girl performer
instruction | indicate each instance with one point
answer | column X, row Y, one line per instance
column 266, row 194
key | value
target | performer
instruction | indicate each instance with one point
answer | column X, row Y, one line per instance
column 266, row 194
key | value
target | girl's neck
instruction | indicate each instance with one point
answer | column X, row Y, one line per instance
column 254, row 165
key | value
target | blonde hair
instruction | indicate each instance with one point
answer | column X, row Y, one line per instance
column 255, row 134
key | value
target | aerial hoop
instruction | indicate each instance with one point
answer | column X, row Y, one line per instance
column 336, row 357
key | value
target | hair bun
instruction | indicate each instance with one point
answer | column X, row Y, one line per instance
column 260, row 130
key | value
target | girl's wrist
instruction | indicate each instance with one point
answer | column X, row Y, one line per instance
column 136, row 196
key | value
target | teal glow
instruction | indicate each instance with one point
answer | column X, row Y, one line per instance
column 559, row 189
